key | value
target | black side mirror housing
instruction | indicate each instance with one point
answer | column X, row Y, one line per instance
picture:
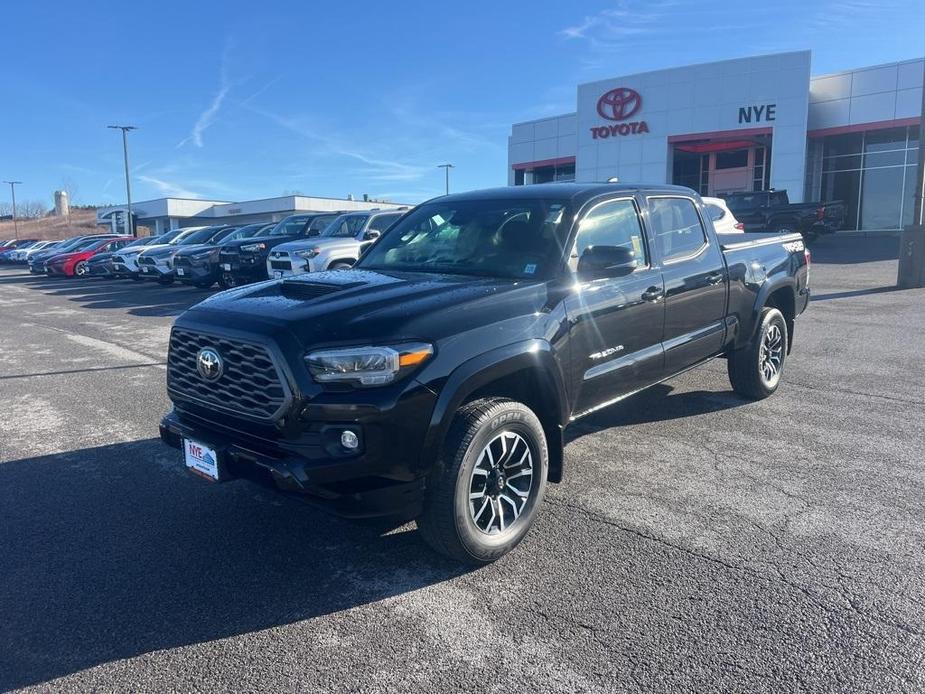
column 371, row 235
column 606, row 261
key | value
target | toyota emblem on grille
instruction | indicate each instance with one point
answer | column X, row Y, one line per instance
column 209, row 364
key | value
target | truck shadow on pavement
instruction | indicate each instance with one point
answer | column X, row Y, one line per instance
column 660, row 403
column 116, row 551
column 147, row 299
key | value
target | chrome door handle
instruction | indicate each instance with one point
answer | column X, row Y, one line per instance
column 652, row 294
column 715, row 278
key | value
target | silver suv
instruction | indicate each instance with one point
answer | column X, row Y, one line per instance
column 338, row 246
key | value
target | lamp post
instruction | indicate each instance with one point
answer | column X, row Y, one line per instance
column 446, row 168
column 130, row 224
column 13, row 185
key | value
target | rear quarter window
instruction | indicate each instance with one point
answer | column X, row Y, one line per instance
column 677, row 227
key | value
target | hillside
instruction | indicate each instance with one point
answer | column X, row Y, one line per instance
column 82, row 222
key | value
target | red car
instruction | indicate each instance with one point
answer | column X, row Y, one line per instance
column 74, row 263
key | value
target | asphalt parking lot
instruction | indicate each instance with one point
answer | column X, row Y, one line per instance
column 699, row 542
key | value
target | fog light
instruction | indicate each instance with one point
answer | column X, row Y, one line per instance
column 349, row 440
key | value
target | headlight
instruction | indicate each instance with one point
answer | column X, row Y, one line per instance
column 367, row 366
column 253, row 247
column 308, row 253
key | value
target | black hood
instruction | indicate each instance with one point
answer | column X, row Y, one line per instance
column 350, row 306
column 195, row 248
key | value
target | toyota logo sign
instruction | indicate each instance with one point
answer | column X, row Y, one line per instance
column 619, row 104
column 209, row 364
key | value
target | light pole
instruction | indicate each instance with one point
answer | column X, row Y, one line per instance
column 128, row 183
column 446, row 167
column 13, row 185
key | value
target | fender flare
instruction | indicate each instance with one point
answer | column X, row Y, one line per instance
column 535, row 355
column 761, row 300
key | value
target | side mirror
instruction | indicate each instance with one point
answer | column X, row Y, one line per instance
column 606, row 261
column 371, row 235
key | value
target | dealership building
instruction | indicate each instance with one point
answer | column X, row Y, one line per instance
column 743, row 125
column 162, row 214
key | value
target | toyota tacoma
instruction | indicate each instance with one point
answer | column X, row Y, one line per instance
column 434, row 379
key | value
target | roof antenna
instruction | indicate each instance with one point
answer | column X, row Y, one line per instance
column 613, row 179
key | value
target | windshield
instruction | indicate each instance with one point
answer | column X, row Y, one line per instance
column 222, row 234
column 98, row 244
column 83, row 244
column 347, row 225
column 73, row 243
column 184, row 238
column 492, row 238
column 290, row 226
column 245, row 232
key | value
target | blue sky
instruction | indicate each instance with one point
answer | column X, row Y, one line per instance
column 248, row 100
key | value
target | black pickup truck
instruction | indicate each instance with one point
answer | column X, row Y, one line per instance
column 435, row 379
column 771, row 210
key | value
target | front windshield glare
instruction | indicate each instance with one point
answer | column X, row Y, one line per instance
column 492, row 238
column 345, row 226
column 289, row 227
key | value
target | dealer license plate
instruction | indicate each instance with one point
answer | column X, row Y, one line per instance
column 200, row 459
column 277, row 274
column 145, row 268
column 181, row 271
column 226, row 267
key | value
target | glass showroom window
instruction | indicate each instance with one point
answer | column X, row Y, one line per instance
column 872, row 172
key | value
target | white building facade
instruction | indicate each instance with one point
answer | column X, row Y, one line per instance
column 743, row 125
column 163, row 214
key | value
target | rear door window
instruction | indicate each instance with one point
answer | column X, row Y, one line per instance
column 677, row 227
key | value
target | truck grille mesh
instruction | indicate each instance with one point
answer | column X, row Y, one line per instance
column 250, row 384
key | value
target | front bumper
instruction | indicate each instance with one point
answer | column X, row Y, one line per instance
column 57, row 269
column 154, row 272
column 248, row 268
column 192, row 272
column 315, row 468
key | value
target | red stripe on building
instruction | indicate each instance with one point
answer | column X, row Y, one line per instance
column 544, row 162
column 739, row 133
column 864, row 127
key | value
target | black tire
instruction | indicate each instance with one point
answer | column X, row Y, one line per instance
column 136, row 277
column 80, row 269
column 227, row 281
column 449, row 523
column 165, row 281
column 748, row 367
column 203, row 284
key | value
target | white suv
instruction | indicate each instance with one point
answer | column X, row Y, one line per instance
column 338, row 246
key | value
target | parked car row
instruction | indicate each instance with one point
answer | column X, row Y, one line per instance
column 203, row 255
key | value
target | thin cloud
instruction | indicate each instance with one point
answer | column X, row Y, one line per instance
column 169, row 188
column 207, row 117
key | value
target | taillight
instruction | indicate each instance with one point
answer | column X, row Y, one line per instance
column 820, row 213
column 739, row 226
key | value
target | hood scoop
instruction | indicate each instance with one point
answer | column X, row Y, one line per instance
column 299, row 289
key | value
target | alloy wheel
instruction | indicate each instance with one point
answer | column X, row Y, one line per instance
column 501, row 482
column 772, row 354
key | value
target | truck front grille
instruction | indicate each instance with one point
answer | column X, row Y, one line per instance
column 249, row 385
column 143, row 260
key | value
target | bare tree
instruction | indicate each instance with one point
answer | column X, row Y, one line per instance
column 31, row 209
column 6, row 209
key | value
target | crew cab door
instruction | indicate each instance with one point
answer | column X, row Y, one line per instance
column 615, row 321
column 696, row 281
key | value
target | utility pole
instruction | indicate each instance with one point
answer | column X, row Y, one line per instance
column 446, row 168
column 130, row 223
column 13, row 185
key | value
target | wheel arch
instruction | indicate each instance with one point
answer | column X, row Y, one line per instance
column 781, row 295
column 527, row 372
